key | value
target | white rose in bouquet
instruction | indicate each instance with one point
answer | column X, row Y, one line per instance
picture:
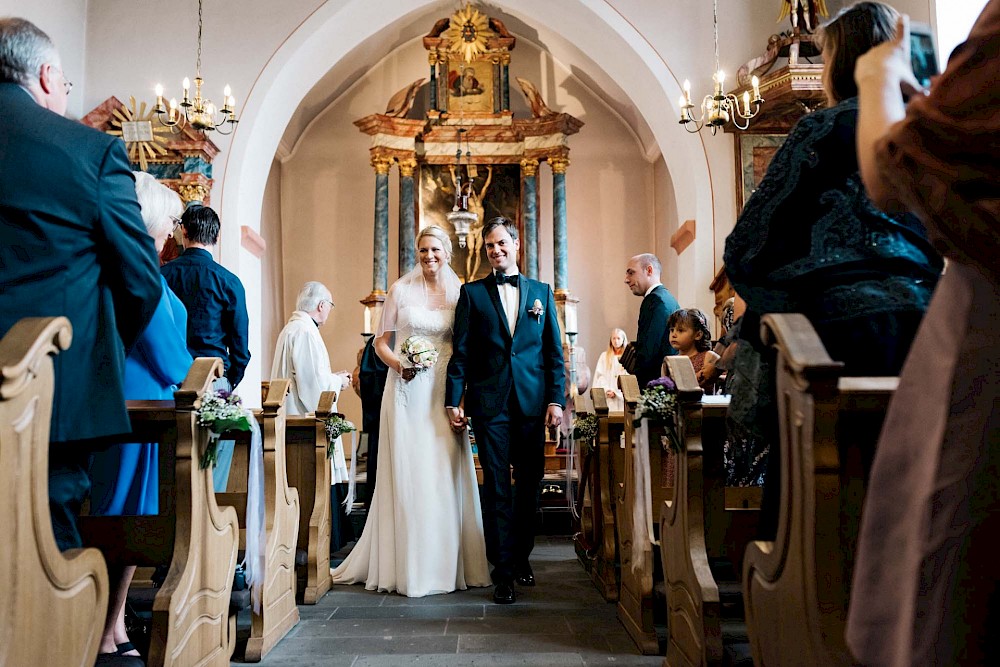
column 419, row 351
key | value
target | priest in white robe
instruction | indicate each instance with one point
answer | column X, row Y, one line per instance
column 301, row 356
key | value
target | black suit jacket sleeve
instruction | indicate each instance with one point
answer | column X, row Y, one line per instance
column 129, row 263
column 652, row 340
column 455, row 387
column 237, row 328
column 555, row 369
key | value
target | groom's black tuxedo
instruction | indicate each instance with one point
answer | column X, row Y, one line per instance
column 508, row 381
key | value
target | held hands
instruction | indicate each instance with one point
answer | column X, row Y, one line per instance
column 888, row 64
column 456, row 417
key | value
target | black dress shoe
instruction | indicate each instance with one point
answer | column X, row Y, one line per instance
column 504, row 594
column 524, row 576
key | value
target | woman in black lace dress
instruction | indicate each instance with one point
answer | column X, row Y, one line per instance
column 810, row 241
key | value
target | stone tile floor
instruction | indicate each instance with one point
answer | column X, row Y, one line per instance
column 561, row 621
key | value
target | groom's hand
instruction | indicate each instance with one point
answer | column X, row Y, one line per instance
column 553, row 416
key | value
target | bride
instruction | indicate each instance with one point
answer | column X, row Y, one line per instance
column 424, row 532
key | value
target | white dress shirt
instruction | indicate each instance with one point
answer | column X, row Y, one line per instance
column 510, row 297
column 651, row 288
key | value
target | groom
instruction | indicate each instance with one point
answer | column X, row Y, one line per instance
column 508, row 364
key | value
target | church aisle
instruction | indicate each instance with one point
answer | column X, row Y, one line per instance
column 561, row 621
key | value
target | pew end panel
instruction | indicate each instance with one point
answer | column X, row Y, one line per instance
column 604, row 572
column 796, row 588
column 191, row 610
column 278, row 613
column 309, row 472
column 635, row 598
column 40, row 587
column 586, row 540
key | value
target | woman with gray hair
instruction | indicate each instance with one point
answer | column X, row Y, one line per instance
column 125, row 478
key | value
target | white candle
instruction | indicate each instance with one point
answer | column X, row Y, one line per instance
column 368, row 320
column 571, row 320
column 755, row 82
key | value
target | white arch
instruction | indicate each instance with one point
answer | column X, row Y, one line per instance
column 328, row 35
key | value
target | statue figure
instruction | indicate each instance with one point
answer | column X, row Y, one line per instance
column 474, row 204
column 806, row 11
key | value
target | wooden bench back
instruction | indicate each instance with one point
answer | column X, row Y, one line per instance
column 700, row 524
column 586, row 537
column 309, row 473
column 40, row 588
column 635, row 601
column 607, row 480
column 796, row 588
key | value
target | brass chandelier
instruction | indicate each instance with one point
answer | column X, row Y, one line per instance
column 720, row 108
column 198, row 112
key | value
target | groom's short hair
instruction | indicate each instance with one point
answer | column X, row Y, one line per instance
column 500, row 221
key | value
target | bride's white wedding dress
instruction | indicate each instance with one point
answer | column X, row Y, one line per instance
column 424, row 531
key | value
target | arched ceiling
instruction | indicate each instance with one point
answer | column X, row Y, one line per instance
column 348, row 71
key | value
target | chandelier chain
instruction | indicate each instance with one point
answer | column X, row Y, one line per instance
column 197, row 68
column 715, row 25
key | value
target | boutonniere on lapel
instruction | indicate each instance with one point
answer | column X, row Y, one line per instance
column 537, row 310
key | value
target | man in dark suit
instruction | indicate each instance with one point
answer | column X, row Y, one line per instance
column 507, row 363
column 652, row 339
column 73, row 244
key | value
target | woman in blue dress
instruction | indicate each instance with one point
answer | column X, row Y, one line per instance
column 125, row 477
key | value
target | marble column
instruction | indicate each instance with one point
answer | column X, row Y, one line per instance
column 560, row 250
column 529, row 213
column 407, row 215
column 432, row 58
column 380, row 268
column 505, row 81
column 497, row 87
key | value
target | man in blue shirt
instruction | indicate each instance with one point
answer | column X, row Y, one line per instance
column 217, row 310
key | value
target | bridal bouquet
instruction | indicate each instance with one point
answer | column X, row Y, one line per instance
column 336, row 426
column 220, row 411
column 419, row 351
column 658, row 403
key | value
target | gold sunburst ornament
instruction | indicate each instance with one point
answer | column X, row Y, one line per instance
column 142, row 132
column 468, row 30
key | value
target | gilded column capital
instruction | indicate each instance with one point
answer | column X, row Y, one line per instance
column 407, row 166
column 382, row 165
column 505, row 58
column 559, row 164
column 190, row 192
column 433, row 58
column 529, row 167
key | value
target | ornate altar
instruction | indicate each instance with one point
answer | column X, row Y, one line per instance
column 467, row 142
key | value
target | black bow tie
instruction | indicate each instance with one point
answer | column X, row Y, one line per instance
column 509, row 280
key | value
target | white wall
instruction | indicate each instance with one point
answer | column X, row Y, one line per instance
column 62, row 20
column 953, row 23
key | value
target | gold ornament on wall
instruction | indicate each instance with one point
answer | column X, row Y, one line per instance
column 142, row 133
column 468, row 31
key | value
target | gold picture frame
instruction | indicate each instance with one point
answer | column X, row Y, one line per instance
column 754, row 153
column 469, row 86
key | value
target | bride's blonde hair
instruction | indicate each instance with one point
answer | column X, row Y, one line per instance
column 435, row 232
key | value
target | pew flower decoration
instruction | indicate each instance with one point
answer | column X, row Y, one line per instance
column 220, row 411
column 336, row 426
column 585, row 430
column 419, row 351
column 658, row 403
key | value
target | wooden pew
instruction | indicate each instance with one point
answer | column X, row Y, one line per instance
column 586, row 540
column 309, row 473
column 796, row 588
column 605, row 570
column 701, row 524
column 40, row 587
column 635, row 601
column 197, row 537
column 278, row 613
